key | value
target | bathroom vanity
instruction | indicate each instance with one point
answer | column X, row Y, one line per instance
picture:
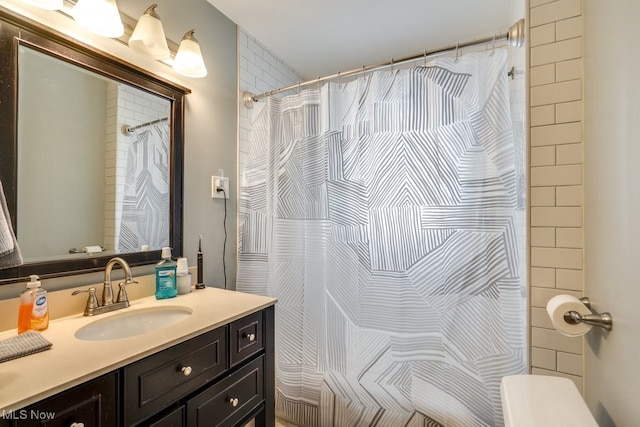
column 213, row 368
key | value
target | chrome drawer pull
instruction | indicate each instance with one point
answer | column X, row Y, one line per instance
column 234, row 401
column 250, row 337
column 186, row 370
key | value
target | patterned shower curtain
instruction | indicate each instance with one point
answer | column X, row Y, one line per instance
column 145, row 206
column 383, row 214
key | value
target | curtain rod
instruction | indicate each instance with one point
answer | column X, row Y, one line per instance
column 128, row 130
column 514, row 36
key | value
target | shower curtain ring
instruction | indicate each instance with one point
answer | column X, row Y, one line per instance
column 457, row 48
column 425, row 57
column 493, row 49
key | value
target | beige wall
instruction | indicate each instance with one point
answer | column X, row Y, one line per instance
column 556, row 178
column 612, row 207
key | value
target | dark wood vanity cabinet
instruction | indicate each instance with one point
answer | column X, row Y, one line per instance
column 156, row 382
column 93, row 403
column 224, row 377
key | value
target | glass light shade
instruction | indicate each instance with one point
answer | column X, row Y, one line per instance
column 188, row 61
column 46, row 4
column 148, row 36
column 99, row 16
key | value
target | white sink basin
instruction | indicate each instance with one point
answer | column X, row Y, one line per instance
column 131, row 322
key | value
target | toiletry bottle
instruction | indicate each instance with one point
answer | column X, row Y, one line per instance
column 25, row 310
column 166, row 281
column 184, row 277
column 34, row 309
column 199, row 284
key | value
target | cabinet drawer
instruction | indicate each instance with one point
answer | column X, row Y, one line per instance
column 152, row 384
column 228, row 401
column 245, row 337
column 174, row 418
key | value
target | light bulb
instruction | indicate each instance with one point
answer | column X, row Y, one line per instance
column 101, row 17
column 188, row 61
column 148, row 36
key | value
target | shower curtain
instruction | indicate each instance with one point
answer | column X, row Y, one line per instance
column 145, row 206
column 383, row 214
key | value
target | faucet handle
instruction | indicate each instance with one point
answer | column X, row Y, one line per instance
column 122, row 292
column 92, row 301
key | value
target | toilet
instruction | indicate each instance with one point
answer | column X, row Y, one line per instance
column 540, row 401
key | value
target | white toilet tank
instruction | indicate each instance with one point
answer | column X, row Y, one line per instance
column 541, row 401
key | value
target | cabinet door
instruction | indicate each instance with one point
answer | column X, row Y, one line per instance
column 230, row 400
column 92, row 404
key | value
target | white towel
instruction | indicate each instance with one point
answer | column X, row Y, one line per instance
column 23, row 345
column 6, row 237
column 9, row 252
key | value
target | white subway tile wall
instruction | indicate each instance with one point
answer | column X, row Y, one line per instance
column 556, row 192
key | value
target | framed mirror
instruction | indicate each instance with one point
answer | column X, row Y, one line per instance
column 91, row 152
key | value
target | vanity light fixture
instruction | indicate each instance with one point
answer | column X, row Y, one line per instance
column 188, row 61
column 101, row 17
column 148, row 36
column 46, row 4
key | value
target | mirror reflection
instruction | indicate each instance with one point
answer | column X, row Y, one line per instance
column 93, row 162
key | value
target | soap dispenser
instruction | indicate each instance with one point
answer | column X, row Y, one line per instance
column 34, row 309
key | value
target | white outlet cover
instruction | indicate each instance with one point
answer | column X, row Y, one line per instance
column 215, row 182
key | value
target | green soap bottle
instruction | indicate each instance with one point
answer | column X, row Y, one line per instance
column 166, row 281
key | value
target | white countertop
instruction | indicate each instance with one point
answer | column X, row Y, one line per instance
column 72, row 361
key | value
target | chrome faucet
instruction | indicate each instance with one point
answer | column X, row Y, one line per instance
column 92, row 308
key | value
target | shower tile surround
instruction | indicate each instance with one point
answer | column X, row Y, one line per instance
column 556, row 192
column 555, row 160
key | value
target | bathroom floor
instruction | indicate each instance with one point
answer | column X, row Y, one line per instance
column 279, row 423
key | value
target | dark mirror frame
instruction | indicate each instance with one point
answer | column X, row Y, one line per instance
column 16, row 30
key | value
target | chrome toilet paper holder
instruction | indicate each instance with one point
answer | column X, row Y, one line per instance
column 603, row 320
